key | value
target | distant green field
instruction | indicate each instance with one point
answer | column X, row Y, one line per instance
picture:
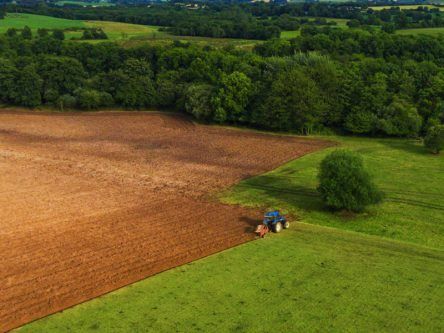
column 405, row 7
column 85, row 4
column 419, row 31
column 290, row 34
column 117, row 30
column 114, row 30
column 19, row 21
column 324, row 274
column 340, row 23
column 165, row 38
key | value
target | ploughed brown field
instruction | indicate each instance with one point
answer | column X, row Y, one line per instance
column 91, row 202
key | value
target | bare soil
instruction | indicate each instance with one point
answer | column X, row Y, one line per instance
column 90, row 202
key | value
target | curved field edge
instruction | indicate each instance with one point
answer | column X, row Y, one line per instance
column 408, row 174
column 314, row 278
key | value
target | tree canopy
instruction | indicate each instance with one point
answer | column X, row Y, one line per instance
column 360, row 82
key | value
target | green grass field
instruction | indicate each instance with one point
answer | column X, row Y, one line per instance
column 84, row 4
column 114, row 30
column 117, row 30
column 339, row 22
column 165, row 38
column 19, row 21
column 288, row 34
column 382, row 271
column 419, row 31
column 406, row 7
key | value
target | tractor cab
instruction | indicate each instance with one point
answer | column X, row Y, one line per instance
column 271, row 216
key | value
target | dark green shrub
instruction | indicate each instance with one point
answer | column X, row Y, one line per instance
column 66, row 101
column 11, row 32
column 198, row 101
column 345, row 184
column 388, row 28
column 26, row 33
column 90, row 99
column 361, row 122
column 400, row 119
column 42, row 32
column 94, row 33
column 50, row 96
column 434, row 139
column 58, row 34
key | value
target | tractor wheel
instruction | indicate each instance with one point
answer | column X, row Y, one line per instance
column 277, row 227
column 286, row 225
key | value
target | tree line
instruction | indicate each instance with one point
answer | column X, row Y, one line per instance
column 87, row 33
column 304, row 85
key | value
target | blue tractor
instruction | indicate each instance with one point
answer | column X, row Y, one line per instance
column 273, row 221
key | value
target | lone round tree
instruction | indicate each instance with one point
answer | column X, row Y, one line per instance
column 345, row 184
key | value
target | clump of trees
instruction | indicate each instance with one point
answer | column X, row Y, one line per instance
column 26, row 33
column 344, row 184
column 58, row 34
column 434, row 140
column 93, row 33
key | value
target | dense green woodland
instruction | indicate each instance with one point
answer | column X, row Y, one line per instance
column 370, row 83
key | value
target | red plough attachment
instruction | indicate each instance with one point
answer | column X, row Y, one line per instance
column 261, row 230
